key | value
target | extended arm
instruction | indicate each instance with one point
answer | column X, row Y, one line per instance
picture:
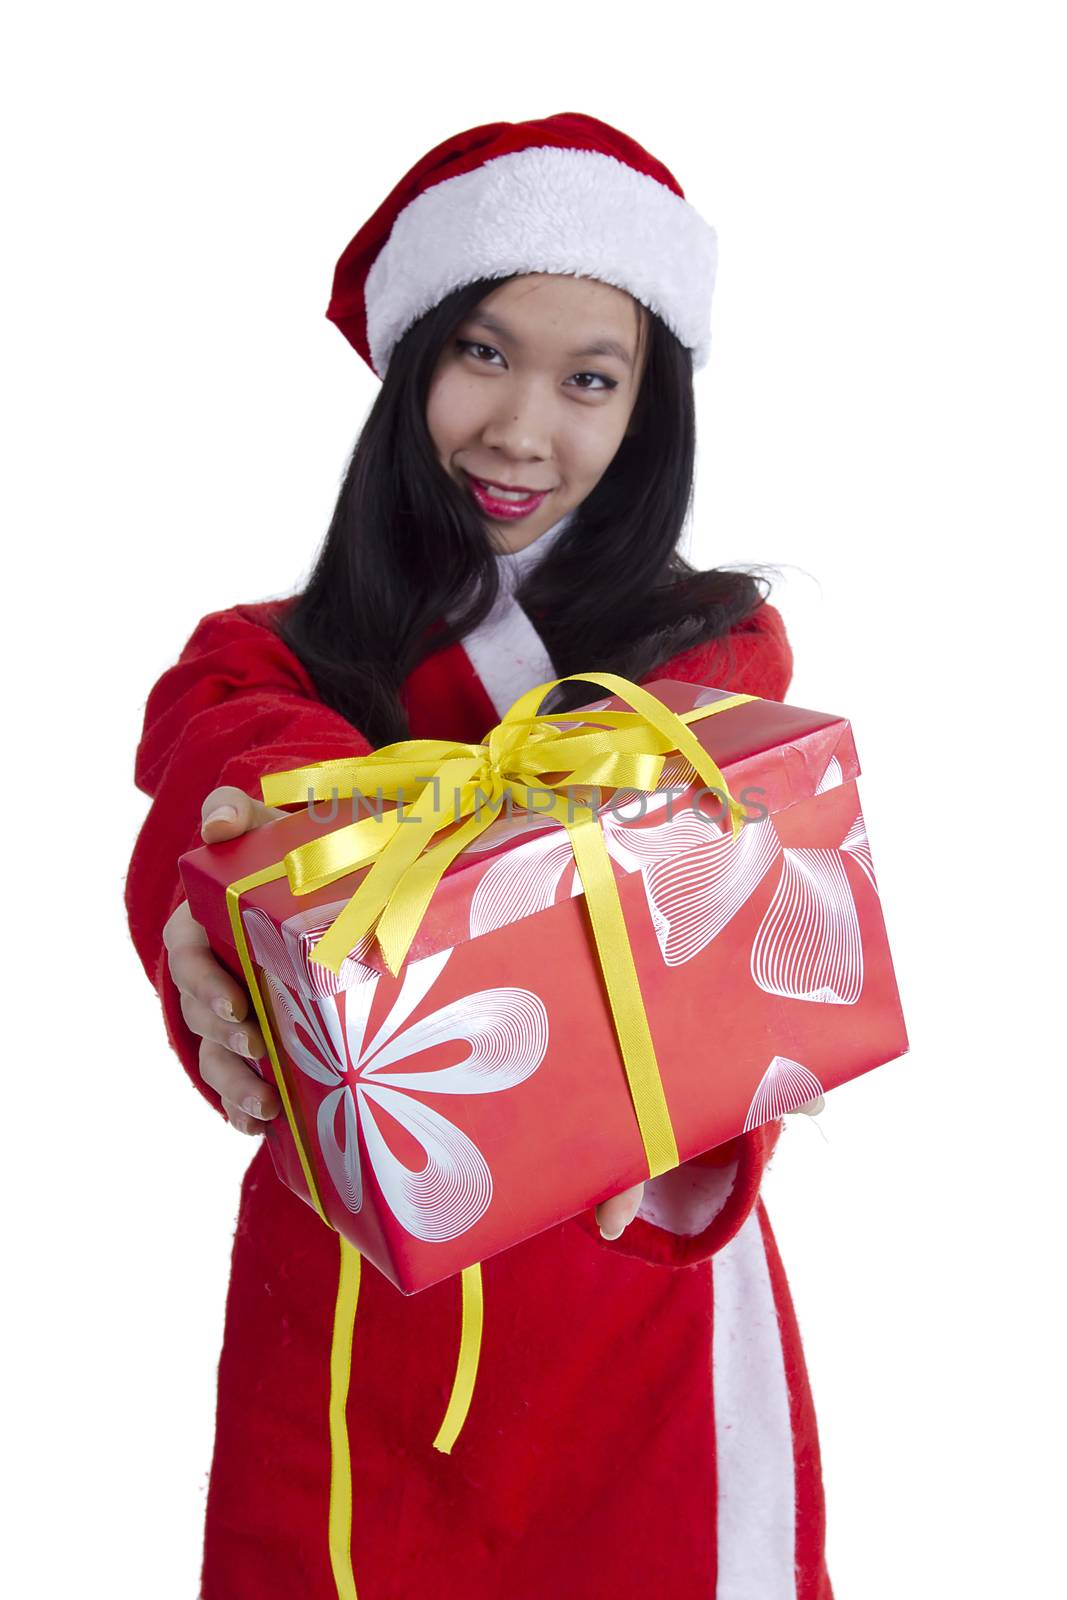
column 236, row 704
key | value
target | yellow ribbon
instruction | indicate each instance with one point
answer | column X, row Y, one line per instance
column 339, row 1523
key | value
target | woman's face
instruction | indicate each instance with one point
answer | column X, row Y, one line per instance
column 535, row 390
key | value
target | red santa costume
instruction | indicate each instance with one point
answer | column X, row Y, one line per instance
column 642, row 1423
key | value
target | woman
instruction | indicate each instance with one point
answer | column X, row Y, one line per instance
column 535, row 298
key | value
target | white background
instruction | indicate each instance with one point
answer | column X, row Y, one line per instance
column 881, row 417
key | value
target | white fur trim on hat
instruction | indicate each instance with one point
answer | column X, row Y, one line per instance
column 572, row 212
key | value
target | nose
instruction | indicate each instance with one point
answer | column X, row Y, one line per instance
column 520, row 424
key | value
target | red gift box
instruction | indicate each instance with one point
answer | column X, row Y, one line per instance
column 478, row 1097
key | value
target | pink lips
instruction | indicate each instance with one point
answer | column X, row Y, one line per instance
column 503, row 510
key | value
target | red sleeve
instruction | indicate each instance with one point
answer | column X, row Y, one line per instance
column 754, row 658
column 235, row 705
column 688, row 1214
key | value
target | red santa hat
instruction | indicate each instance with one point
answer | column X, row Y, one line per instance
column 561, row 194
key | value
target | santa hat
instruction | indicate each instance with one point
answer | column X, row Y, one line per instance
column 563, row 194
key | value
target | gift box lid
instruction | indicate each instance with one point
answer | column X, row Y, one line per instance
column 772, row 756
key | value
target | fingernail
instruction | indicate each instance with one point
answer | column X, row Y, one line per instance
column 222, row 1008
column 605, row 1235
column 252, row 1103
column 239, row 1042
column 220, row 814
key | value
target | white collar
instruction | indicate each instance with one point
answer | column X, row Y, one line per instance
column 515, row 564
column 505, row 649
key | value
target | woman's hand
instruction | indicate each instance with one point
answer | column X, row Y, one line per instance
column 617, row 1213
column 810, row 1108
column 213, row 1004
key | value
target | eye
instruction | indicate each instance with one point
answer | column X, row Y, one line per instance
column 471, row 345
column 610, row 383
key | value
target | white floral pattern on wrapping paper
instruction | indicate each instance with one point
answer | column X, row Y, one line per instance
column 530, row 878
column 808, row 946
column 784, row 1087
column 506, row 1030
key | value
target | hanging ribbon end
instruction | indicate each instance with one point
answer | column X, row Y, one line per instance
column 467, row 1363
column 395, row 936
column 321, row 952
column 737, row 820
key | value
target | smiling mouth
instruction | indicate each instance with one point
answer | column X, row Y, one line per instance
column 504, row 505
column 514, row 491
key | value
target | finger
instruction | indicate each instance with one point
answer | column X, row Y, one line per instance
column 181, row 928
column 198, row 973
column 196, row 969
column 228, row 812
column 810, row 1108
column 242, row 1037
column 241, row 1120
column 235, row 1081
column 617, row 1213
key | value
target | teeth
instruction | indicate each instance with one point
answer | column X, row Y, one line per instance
column 507, row 494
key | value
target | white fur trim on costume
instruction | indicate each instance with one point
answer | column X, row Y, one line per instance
column 506, row 650
column 687, row 1199
column 508, row 654
column 753, row 1429
column 573, row 212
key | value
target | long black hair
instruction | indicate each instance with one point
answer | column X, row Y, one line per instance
column 408, row 565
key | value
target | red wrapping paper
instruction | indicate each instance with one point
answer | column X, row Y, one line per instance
column 479, row 1097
